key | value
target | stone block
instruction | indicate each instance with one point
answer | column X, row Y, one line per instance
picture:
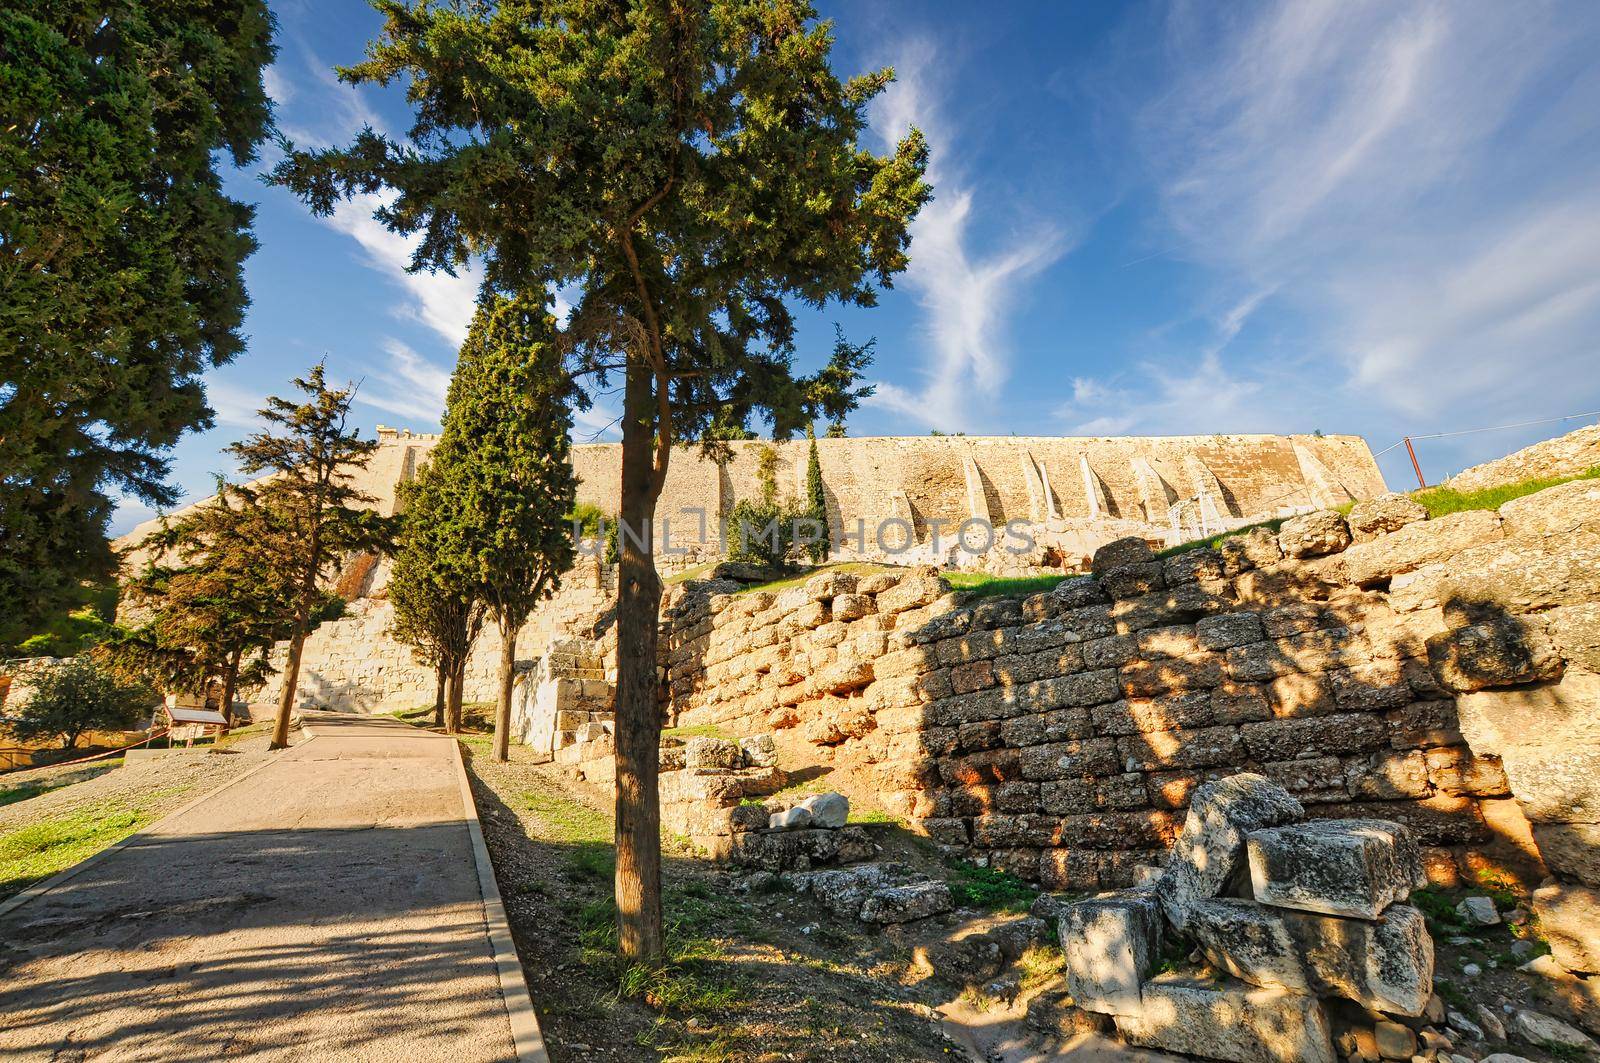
column 1229, row 1021
column 1248, row 550
column 1239, row 703
column 1053, row 1013
column 759, row 751
column 1201, row 747
column 1132, row 581
column 1119, row 552
column 1111, row 944
column 1313, row 736
column 827, row 809
column 1113, row 651
column 1154, row 678
column 1210, row 851
column 1314, row 534
column 905, row 904
column 1137, row 715
column 1227, row 630
column 1078, row 591
column 1066, row 760
column 1569, row 917
column 1202, row 565
column 1548, row 741
column 1069, row 869
column 1386, row 965
column 1388, row 775
column 1417, row 544
column 707, row 752
column 1456, row 770
column 1380, row 516
column 1352, row 868
column 1575, row 630
column 1496, row 652
column 1301, row 694
column 1571, row 850
column 1522, row 575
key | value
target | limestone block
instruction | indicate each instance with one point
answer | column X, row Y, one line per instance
column 1496, row 652
column 1138, row 715
column 828, row 585
column 1382, row 515
column 1569, row 918
column 1524, row 575
column 1337, row 867
column 1191, row 566
column 1239, row 703
column 1226, row 630
column 1064, row 760
column 1548, row 741
column 1256, row 547
column 1210, row 851
column 1418, row 544
column 1229, row 1021
column 1386, row 965
column 759, row 751
column 1313, row 736
column 843, row 676
column 910, row 593
column 904, row 904
column 1571, row 850
column 1132, row 581
column 1112, row 651
column 1110, row 944
column 1456, row 770
column 1078, row 591
column 1537, row 1028
column 1375, row 687
column 1314, row 534
column 1154, row 678
column 1201, row 747
column 1120, row 552
column 1575, row 630
column 1310, row 778
column 1053, row 1013
column 827, row 810
column 1566, row 510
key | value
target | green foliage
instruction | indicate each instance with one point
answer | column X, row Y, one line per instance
column 989, row 888
column 589, row 519
column 816, row 504
column 74, row 696
column 83, row 619
column 1182, row 548
column 1442, row 501
column 435, row 612
column 764, row 533
column 984, row 585
column 121, row 263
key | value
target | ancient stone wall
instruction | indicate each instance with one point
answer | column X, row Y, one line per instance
column 353, row 665
column 1061, row 736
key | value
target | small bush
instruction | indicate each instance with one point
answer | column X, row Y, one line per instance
column 989, row 889
column 766, row 533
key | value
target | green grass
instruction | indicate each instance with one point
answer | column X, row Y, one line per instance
column 851, row 568
column 1442, row 501
column 989, row 889
column 983, row 585
column 1196, row 544
column 35, row 852
column 693, row 572
column 24, row 791
column 703, row 730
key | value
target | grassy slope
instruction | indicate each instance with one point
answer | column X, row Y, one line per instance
column 42, row 849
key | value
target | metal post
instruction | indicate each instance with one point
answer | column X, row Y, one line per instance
column 1409, row 450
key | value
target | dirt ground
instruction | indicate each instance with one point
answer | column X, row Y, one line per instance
column 758, row 976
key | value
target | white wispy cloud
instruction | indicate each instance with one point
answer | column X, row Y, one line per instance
column 235, row 407
column 966, row 292
column 1417, row 181
column 408, row 385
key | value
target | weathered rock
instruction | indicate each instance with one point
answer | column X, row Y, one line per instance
column 1248, row 550
column 1111, row 944
column 1478, row 911
column 707, row 752
column 1537, row 1028
column 1548, row 741
column 1384, row 514
column 1571, row 850
column 1191, row 566
column 1230, row 1021
column 855, row 844
column 796, row 818
column 1497, row 651
column 1210, row 850
column 1523, row 575
column 1228, row 630
column 1569, row 917
column 1566, row 510
column 1119, row 552
column 1418, row 544
column 1575, row 630
column 1491, row 1023
column 841, row 891
column 1132, row 581
column 1394, row 1040
column 905, row 904
column 759, row 751
column 1053, row 1012
column 827, row 810
column 1314, row 534
column 748, row 817
column 1078, row 591
column 1346, row 867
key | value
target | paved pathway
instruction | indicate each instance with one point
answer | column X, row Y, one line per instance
column 324, row 908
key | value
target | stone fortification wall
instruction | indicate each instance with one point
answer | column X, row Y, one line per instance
column 1062, row 735
column 353, row 665
column 1566, row 455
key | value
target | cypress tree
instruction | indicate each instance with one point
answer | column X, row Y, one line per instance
column 816, row 502
column 695, row 169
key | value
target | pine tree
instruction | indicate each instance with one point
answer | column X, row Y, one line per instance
column 121, row 262
column 816, row 502
column 506, row 461
column 435, row 611
column 317, row 516
column 692, row 168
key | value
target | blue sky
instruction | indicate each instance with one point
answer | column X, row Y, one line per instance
column 1380, row 218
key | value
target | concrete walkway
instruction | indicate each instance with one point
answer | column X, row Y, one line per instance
column 325, row 907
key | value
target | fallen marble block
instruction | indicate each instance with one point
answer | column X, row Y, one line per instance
column 1386, row 964
column 827, row 810
column 1351, row 867
column 904, row 904
column 1229, row 1021
column 1209, row 853
column 1111, row 944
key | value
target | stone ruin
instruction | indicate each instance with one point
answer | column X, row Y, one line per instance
column 1289, row 916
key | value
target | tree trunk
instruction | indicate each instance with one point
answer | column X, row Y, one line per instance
column 230, row 687
column 440, row 679
column 502, row 705
column 638, row 714
column 291, row 679
column 452, row 705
